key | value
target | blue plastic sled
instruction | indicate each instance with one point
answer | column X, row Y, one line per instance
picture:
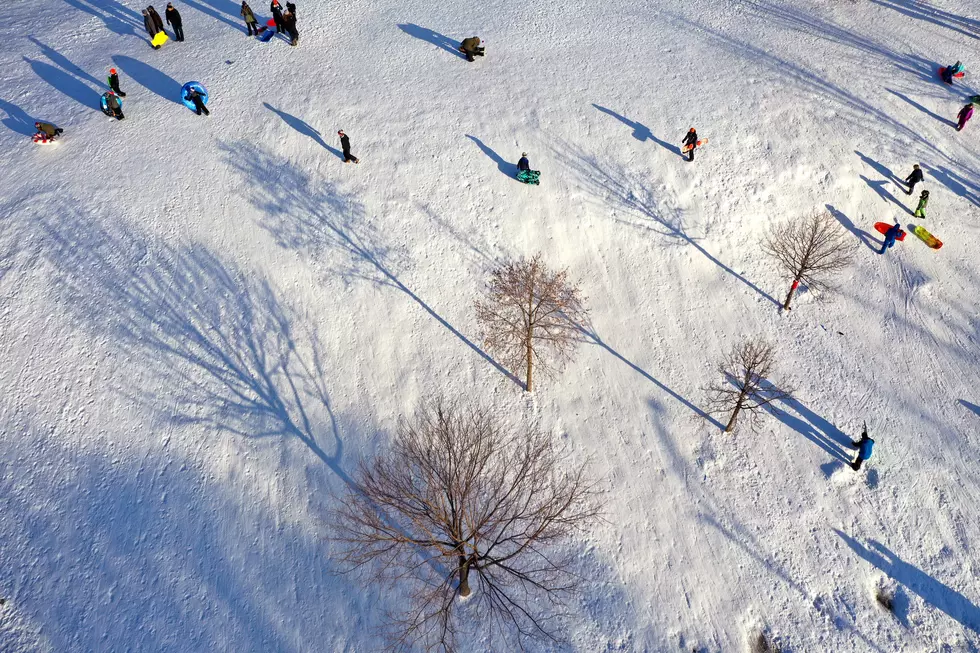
column 197, row 87
column 267, row 34
column 105, row 104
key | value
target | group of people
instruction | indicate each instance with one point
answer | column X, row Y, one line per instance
column 154, row 24
column 284, row 20
column 948, row 74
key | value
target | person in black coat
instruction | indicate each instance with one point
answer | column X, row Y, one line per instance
column 913, row 178
column 345, row 146
column 156, row 18
column 289, row 24
column 691, row 140
column 151, row 27
column 291, row 8
column 173, row 19
column 276, row 10
column 198, row 101
column 523, row 163
column 114, row 82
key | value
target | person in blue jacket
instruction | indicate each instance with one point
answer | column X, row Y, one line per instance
column 865, row 447
column 890, row 236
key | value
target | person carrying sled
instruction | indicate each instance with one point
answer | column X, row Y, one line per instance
column 891, row 236
column 173, row 19
column 471, row 48
column 920, row 210
column 865, row 447
column 113, row 105
column 691, row 142
column 151, row 27
column 251, row 25
column 951, row 71
column 46, row 132
column 345, row 146
column 114, row 82
column 198, row 100
column 964, row 116
column 914, row 177
column 276, row 10
column 289, row 24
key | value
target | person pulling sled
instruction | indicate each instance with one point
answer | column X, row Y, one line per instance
column 891, row 236
column 865, row 447
column 46, row 132
column 524, row 173
column 471, row 48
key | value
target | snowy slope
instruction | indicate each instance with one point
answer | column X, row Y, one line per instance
column 206, row 322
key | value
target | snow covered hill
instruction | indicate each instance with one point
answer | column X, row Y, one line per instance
column 205, row 322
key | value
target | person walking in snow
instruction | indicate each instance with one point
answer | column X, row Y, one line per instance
column 471, row 48
column 920, row 210
column 46, row 132
column 964, row 116
column 114, row 83
column 173, row 19
column 113, row 106
column 289, row 24
column 345, row 146
column 914, row 177
column 156, row 18
column 865, row 447
column 691, row 142
column 198, row 101
column 276, row 10
column 891, row 236
column 251, row 24
column 151, row 27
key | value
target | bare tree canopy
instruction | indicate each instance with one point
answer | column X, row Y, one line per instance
column 746, row 386
column 461, row 498
column 529, row 317
column 809, row 251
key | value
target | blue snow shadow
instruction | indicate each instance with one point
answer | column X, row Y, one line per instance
column 810, row 425
column 117, row 18
column 869, row 241
column 972, row 407
column 934, row 593
column 435, row 38
column 17, row 120
column 65, row 63
column 215, row 9
column 505, row 167
column 945, row 121
column 70, row 86
column 956, row 183
column 150, row 78
column 303, row 128
column 640, row 131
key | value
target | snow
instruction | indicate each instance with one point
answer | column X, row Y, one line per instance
column 206, row 322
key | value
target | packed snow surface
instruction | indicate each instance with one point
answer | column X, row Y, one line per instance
column 206, row 322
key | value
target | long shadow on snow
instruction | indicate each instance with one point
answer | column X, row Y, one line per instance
column 640, row 132
column 913, row 103
column 958, row 184
column 65, row 64
column 303, row 128
column 118, row 18
column 149, row 77
column 934, row 593
column 884, row 194
column 505, row 167
column 867, row 239
column 881, row 169
column 303, row 216
column 969, row 406
column 216, row 9
column 921, row 10
column 813, row 427
column 620, row 188
column 70, row 86
column 435, row 38
column 17, row 120
column 223, row 345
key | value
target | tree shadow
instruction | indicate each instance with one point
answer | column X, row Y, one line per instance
column 215, row 9
column 869, row 241
column 118, row 18
column 303, row 128
column 811, row 426
column 884, row 194
column 931, row 591
column 150, row 78
column 620, row 188
column 972, row 407
column 70, row 86
column 921, row 10
column 640, row 132
column 222, row 347
column 921, row 108
column 320, row 221
column 435, row 38
column 957, row 184
column 17, row 120
column 505, row 167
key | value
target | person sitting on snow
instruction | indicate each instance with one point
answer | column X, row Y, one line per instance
column 198, row 100
column 46, row 132
column 471, row 48
column 952, row 71
column 523, row 163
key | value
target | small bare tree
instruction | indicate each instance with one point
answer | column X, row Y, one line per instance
column 745, row 386
column 809, row 251
column 459, row 496
column 530, row 317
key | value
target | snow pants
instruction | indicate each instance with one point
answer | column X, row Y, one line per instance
column 888, row 243
column 178, row 31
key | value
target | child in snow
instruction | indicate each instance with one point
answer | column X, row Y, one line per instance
column 345, row 146
column 113, row 106
column 173, row 19
column 524, row 172
column 114, row 83
column 251, row 24
column 289, row 24
column 920, row 210
column 276, row 10
column 46, row 132
column 691, row 141
column 914, row 177
column 951, row 71
column 891, row 236
column 471, row 48
column 865, row 447
column 151, row 27
column 523, row 164
column 198, row 101
column 963, row 116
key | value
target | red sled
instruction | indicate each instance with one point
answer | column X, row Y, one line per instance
column 883, row 227
column 942, row 72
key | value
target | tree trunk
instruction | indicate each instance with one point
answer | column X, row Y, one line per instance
column 796, row 284
column 530, row 334
column 464, row 576
column 731, row 421
column 527, row 381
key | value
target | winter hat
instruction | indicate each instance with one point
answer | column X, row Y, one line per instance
column 112, row 71
column 341, row 132
column 523, row 153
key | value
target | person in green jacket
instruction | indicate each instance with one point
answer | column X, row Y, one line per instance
column 250, row 22
column 920, row 210
column 471, row 48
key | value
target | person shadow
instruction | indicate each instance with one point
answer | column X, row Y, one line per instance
column 931, row 591
column 969, row 406
column 70, row 86
column 870, row 241
column 17, row 120
column 149, row 77
column 505, row 167
column 945, row 121
column 435, row 38
column 640, row 131
column 303, row 128
column 884, row 194
column 880, row 169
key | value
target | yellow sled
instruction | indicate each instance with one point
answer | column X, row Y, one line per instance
column 160, row 39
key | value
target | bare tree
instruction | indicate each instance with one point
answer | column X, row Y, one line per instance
column 809, row 251
column 530, row 317
column 746, row 387
column 458, row 497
